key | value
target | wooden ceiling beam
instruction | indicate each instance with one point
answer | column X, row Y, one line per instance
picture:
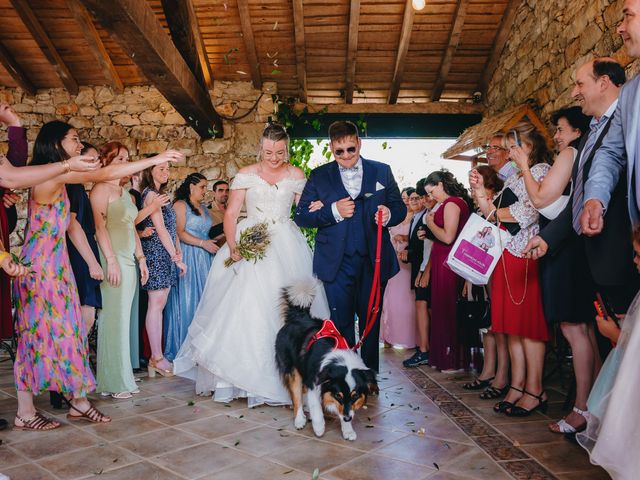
column 301, row 54
column 249, row 43
column 134, row 25
column 96, row 46
column 498, row 45
column 16, row 72
column 185, row 32
column 352, row 49
column 403, row 48
column 397, row 108
column 454, row 40
column 38, row 33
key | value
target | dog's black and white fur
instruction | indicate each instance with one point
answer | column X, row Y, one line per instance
column 334, row 380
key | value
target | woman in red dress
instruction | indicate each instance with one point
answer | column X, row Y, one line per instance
column 516, row 301
column 445, row 223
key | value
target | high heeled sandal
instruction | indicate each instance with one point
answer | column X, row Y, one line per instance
column 153, row 368
column 478, row 384
column 517, row 411
column 503, row 406
column 562, row 426
column 491, row 392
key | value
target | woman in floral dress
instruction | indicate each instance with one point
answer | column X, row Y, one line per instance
column 52, row 346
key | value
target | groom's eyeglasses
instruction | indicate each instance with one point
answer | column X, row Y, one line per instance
column 340, row 151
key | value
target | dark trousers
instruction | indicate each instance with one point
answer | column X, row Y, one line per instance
column 348, row 296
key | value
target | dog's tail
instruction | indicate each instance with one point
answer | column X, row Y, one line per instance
column 302, row 293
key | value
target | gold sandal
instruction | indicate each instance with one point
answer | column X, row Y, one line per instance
column 152, row 368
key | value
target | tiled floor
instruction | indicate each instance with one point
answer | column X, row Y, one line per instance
column 421, row 426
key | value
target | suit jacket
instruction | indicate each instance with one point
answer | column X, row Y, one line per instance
column 610, row 253
column 618, row 152
column 378, row 188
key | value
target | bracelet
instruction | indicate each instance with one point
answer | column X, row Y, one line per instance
column 66, row 165
column 140, row 258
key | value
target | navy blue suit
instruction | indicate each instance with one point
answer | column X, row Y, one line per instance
column 345, row 251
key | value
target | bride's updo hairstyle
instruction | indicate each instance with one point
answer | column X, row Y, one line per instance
column 276, row 133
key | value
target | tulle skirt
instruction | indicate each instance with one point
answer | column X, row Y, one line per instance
column 229, row 349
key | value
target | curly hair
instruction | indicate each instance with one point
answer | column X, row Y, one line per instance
column 450, row 185
column 109, row 151
column 184, row 192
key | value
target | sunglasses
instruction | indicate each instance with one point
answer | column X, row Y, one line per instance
column 340, row 151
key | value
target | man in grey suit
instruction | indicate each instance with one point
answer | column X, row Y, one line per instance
column 620, row 147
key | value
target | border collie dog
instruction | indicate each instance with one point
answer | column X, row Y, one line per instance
column 314, row 359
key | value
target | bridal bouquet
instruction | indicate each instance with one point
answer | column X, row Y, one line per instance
column 253, row 243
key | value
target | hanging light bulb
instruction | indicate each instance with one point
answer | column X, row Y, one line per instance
column 418, row 4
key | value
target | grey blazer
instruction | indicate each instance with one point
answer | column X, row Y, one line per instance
column 618, row 151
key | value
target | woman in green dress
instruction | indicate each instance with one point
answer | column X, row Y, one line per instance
column 115, row 212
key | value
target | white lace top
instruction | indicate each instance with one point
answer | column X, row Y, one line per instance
column 523, row 211
column 265, row 201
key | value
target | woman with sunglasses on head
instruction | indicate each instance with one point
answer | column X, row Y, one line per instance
column 446, row 223
column 52, row 349
column 516, row 301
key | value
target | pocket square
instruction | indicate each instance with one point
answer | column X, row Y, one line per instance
column 379, row 186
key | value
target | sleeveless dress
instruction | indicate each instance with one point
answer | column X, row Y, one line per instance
column 183, row 300
column 230, row 345
column 163, row 273
column 115, row 373
column 52, row 351
column 398, row 319
column 446, row 350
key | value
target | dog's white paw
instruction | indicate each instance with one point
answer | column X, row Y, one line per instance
column 300, row 421
column 349, row 435
column 318, row 428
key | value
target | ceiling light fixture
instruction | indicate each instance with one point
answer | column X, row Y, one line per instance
column 418, row 4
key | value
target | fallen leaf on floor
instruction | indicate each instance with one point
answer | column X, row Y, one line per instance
column 436, row 465
column 237, row 443
column 516, row 443
column 316, row 474
column 421, row 431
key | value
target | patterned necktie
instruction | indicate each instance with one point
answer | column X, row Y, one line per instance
column 353, row 169
column 578, row 189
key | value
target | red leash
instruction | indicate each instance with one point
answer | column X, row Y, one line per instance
column 374, row 297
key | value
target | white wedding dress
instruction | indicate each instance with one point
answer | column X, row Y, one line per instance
column 230, row 345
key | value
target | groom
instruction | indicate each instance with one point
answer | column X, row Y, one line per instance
column 352, row 190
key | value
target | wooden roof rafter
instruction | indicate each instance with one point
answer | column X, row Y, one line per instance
column 134, row 25
column 16, row 72
column 301, row 54
column 96, row 46
column 249, row 43
column 352, row 49
column 403, row 48
column 45, row 44
column 498, row 45
column 185, row 32
column 454, row 40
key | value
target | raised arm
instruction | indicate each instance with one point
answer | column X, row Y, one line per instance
column 544, row 192
column 26, row 177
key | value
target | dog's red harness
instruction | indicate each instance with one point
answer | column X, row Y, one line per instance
column 329, row 330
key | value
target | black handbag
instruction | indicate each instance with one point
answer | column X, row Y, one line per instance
column 472, row 315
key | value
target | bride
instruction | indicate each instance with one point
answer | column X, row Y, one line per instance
column 230, row 345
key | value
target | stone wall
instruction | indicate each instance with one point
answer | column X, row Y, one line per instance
column 142, row 119
column 548, row 41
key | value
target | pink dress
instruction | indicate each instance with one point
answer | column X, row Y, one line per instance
column 398, row 319
column 52, row 341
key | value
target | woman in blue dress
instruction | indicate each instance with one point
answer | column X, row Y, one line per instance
column 192, row 225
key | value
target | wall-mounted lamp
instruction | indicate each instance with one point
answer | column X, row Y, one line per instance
column 418, row 4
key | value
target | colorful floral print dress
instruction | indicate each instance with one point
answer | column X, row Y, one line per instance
column 52, row 349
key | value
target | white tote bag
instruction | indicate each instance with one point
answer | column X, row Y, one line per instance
column 555, row 208
column 477, row 250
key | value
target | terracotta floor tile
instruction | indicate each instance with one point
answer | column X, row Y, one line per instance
column 315, row 454
column 563, row 457
column 182, row 414
column 27, row 472
column 368, row 438
column 159, row 442
column 94, row 460
column 10, row 457
column 262, row 441
column 121, row 428
column 595, row 473
column 425, row 450
column 138, row 471
column 60, row 440
column 204, row 459
column 257, row 468
column 406, row 420
column 376, row 467
column 218, row 426
column 530, row 432
column 500, row 448
column 476, row 464
column 528, row 470
column 474, row 426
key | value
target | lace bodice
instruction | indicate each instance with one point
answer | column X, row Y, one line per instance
column 265, row 201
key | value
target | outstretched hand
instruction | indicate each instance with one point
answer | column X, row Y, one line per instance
column 83, row 163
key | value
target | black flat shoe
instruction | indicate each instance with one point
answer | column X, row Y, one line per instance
column 503, row 406
column 517, row 411
column 478, row 384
